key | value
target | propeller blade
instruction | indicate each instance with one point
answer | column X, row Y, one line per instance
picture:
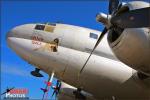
column 113, row 5
column 98, row 41
column 133, row 19
column 46, row 88
column 57, row 88
column 53, row 93
column 57, row 84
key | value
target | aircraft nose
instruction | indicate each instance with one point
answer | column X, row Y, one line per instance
column 12, row 34
column 20, row 32
column 19, row 40
column 9, row 35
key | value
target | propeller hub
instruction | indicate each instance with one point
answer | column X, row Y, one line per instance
column 104, row 19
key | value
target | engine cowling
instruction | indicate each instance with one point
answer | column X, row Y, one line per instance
column 142, row 80
column 132, row 45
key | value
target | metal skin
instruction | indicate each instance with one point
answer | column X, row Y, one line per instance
column 133, row 48
column 104, row 76
column 67, row 93
column 133, row 45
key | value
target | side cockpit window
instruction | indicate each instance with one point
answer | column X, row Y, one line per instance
column 52, row 24
column 49, row 27
column 93, row 35
column 39, row 27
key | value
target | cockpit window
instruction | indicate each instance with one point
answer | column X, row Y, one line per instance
column 39, row 27
column 93, row 35
column 52, row 24
column 49, row 23
column 49, row 28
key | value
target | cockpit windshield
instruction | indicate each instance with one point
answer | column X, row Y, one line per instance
column 53, row 24
column 49, row 27
column 49, row 23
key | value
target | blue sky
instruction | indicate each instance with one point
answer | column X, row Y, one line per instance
column 15, row 71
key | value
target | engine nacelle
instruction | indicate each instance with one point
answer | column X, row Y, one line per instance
column 133, row 48
column 132, row 45
column 67, row 92
column 142, row 80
